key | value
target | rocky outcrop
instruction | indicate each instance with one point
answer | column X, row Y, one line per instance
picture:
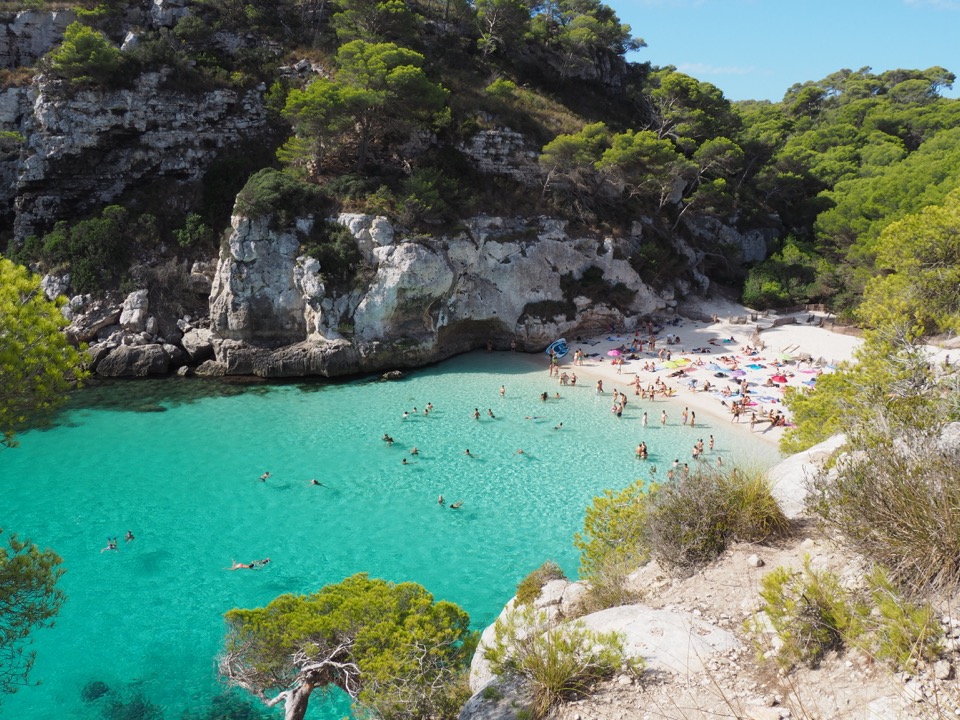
column 134, row 361
column 751, row 246
column 28, row 35
column 499, row 280
column 667, row 640
column 502, row 151
column 147, row 134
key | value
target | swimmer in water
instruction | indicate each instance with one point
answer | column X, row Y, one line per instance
column 241, row 566
column 414, row 451
column 129, row 536
column 111, row 544
column 457, row 504
column 440, row 500
column 503, row 390
column 490, row 413
column 404, row 462
column 467, row 452
column 265, row 476
column 519, row 451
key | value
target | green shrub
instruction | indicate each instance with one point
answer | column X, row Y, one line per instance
column 193, row 233
column 895, row 501
column 897, row 630
column 561, row 663
column 501, row 89
column 613, row 531
column 95, row 251
column 341, row 261
column 85, row 56
column 754, row 513
column 810, row 612
column 693, row 519
column 274, row 193
column 529, row 588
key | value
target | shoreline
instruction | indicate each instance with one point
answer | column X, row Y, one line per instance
column 821, row 346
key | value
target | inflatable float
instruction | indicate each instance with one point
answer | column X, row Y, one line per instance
column 557, row 347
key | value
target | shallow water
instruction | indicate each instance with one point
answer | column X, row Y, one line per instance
column 177, row 462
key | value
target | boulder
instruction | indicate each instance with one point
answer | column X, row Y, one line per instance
column 86, row 324
column 135, row 311
column 198, row 343
column 499, row 700
column 55, row 285
column 211, row 368
column 134, row 361
column 790, row 478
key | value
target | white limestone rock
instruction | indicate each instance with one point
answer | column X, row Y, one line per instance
column 574, row 595
column 198, row 343
column 136, row 307
column 55, row 285
column 790, row 478
column 668, row 640
column 551, row 594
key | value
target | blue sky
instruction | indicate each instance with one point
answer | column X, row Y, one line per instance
column 757, row 49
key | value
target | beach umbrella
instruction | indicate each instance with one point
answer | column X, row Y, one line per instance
column 779, row 378
column 613, row 353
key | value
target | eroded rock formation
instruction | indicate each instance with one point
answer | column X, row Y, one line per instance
column 499, row 280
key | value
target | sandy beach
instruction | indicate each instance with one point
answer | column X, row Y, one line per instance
column 723, row 353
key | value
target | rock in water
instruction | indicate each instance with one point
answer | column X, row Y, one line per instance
column 94, row 690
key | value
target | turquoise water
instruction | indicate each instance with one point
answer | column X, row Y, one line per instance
column 177, row 462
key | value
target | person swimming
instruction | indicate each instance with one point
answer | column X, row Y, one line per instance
column 129, row 536
column 404, row 462
column 440, row 500
column 265, row 476
column 111, row 544
column 456, row 505
column 414, row 450
column 467, row 452
column 241, row 566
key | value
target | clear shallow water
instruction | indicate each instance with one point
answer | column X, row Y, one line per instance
column 177, row 462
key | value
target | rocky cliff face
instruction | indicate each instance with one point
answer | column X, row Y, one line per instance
column 27, row 35
column 87, row 148
column 498, row 281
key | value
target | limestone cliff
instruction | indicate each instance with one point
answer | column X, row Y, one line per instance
column 498, row 280
column 87, row 148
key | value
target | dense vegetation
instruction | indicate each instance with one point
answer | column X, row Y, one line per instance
column 395, row 651
column 821, row 173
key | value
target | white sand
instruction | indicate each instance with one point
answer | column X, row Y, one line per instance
column 824, row 347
